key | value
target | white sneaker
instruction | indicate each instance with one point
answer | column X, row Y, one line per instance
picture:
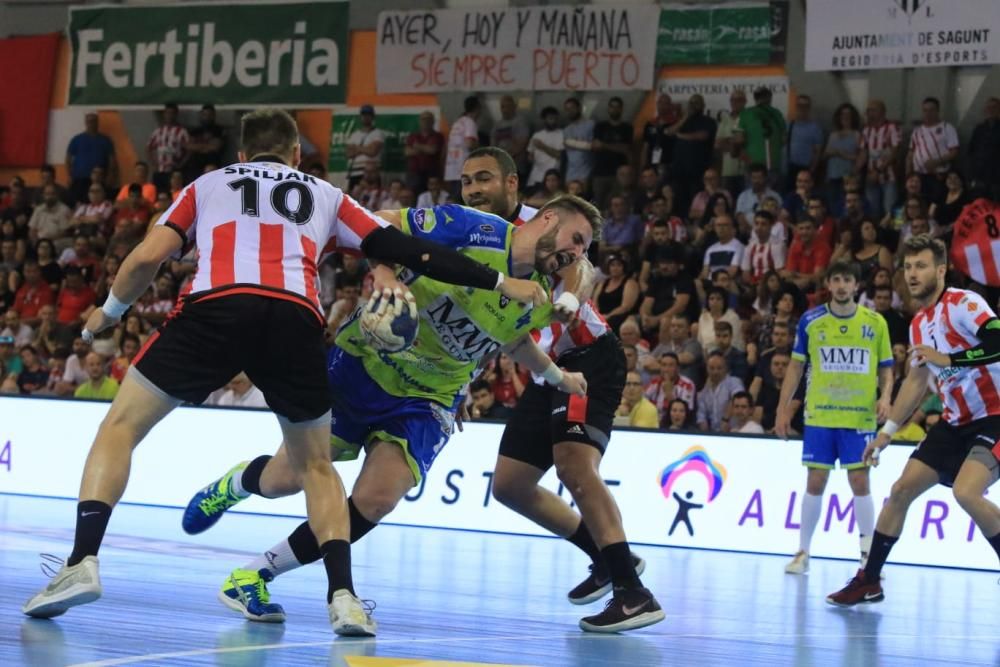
column 70, row 587
column 799, row 564
column 350, row 617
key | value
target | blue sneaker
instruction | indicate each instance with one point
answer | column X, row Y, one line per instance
column 245, row 591
column 208, row 505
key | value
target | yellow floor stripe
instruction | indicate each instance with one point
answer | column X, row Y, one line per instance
column 360, row 661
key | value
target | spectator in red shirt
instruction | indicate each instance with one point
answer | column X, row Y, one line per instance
column 423, row 153
column 808, row 257
column 167, row 148
column 130, row 348
column 90, row 219
column 32, row 295
column 75, row 297
column 509, row 383
column 82, row 255
column 131, row 217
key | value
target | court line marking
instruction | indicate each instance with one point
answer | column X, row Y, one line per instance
column 280, row 646
column 130, row 660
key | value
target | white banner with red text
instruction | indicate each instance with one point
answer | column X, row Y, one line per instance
column 711, row 492
column 610, row 47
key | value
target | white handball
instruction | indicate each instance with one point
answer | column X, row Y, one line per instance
column 389, row 321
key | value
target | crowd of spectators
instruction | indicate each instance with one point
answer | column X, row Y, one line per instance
column 718, row 231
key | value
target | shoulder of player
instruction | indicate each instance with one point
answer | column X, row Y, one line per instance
column 814, row 314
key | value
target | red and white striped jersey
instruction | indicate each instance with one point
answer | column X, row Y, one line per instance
column 932, row 142
column 167, row 143
column 878, row 141
column 684, row 390
column 557, row 338
column 951, row 325
column 266, row 225
column 760, row 258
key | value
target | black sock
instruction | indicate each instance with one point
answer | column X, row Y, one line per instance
column 303, row 542
column 618, row 556
column 584, row 541
column 995, row 543
column 91, row 521
column 360, row 526
column 881, row 546
column 337, row 559
column 250, row 478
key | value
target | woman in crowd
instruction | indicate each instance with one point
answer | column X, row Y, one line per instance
column 767, row 293
column 678, row 417
column 868, row 253
column 717, row 310
column 552, row 187
column 508, row 381
column 842, row 149
column 52, row 273
column 946, row 212
column 617, row 295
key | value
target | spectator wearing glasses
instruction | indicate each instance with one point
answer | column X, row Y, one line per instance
column 636, row 410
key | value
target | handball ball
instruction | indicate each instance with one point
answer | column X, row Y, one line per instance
column 389, row 321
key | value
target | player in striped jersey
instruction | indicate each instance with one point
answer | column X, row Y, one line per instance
column 261, row 228
column 955, row 340
column 571, row 432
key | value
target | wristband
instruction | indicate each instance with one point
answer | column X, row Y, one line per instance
column 890, row 427
column 553, row 375
column 114, row 308
column 500, row 277
column 569, row 302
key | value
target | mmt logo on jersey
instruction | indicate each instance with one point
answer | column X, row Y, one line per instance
column 844, row 359
column 676, row 479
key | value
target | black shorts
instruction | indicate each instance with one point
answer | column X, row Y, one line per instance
column 545, row 416
column 946, row 447
column 210, row 338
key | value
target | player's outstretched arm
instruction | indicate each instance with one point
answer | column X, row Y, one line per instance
column 134, row 276
column 911, row 394
column 527, row 353
column 389, row 244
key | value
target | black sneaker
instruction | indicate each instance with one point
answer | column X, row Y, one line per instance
column 627, row 610
column 598, row 583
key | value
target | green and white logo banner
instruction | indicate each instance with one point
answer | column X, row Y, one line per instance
column 227, row 54
column 735, row 34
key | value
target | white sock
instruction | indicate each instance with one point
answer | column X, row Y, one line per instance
column 236, row 485
column 812, row 507
column 277, row 560
column 864, row 513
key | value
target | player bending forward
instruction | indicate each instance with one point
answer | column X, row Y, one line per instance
column 401, row 407
column 955, row 340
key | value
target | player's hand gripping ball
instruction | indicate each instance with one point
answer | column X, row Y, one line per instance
column 389, row 321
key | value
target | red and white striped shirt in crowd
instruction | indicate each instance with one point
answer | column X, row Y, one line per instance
column 167, row 143
column 951, row 325
column 878, row 141
column 557, row 338
column 104, row 210
column 684, row 390
column 932, row 142
column 264, row 225
column 760, row 258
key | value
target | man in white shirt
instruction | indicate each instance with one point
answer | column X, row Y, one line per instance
column 714, row 399
column 546, row 147
column 50, row 220
column 726, row 253
column 239, row 393
column 740, row 417
column 435, row 195
column 364, row 147
column 933, row 147
column 754, row 196
column 462, row 139
column 579, row 137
